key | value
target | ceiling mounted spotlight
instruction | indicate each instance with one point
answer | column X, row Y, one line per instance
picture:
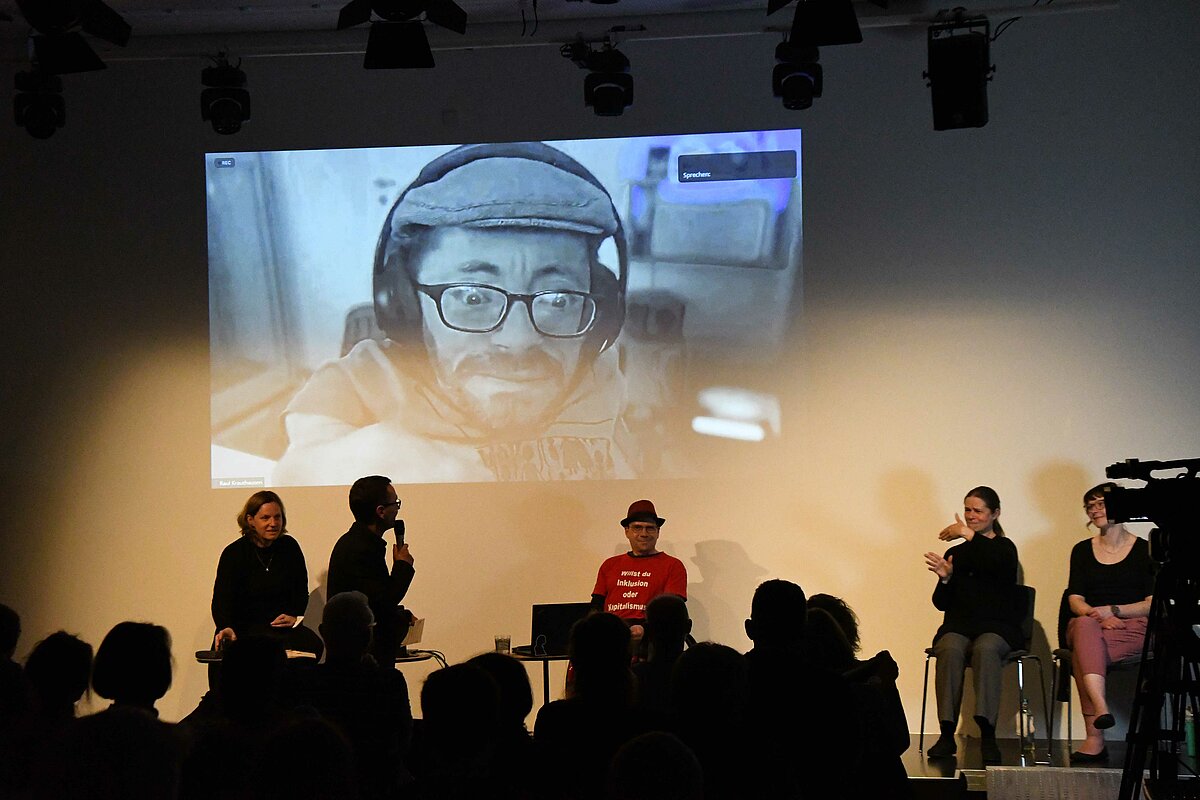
column 225, row 103
column 38, row 105
column 821, row 23
column 797, row 78
column 958, row 72
column 58, row 47
column 608, row 87
column 397, row 39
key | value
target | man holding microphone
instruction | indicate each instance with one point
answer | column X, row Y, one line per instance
column 359, row 562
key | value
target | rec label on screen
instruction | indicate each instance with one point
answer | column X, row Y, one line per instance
column 737, row 166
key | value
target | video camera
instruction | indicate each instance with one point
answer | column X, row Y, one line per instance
column 1171, row 503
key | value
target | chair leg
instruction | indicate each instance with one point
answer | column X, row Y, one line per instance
column 924, row 700
column 1045, row 710
column 1021, row 697
column 1054, row 695
column 1045, row 699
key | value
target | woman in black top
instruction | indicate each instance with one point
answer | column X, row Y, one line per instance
column 1109, row 592
column 262, row 581
column 976, row 590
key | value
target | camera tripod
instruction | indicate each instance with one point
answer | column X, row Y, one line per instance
column 1168, row 685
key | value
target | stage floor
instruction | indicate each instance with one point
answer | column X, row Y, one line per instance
column 969, row 761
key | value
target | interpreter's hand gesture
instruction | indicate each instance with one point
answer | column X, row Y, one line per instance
column 942, row 567
column 958, row 530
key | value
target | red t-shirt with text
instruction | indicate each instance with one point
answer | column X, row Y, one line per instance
column 629, row 582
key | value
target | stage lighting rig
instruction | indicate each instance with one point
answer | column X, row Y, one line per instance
column 397, row 39
column 38, row 105
column 608, row 87
column 225, row 103
column 958, row 72
column 58, row 47
column 798, row 77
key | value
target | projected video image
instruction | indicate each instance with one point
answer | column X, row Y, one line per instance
column 588, row 309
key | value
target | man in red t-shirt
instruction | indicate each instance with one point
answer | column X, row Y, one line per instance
column 626, row 583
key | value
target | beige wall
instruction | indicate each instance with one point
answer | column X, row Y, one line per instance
column 1015, row 306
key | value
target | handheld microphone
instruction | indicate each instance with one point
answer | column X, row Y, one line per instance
column 398, row 527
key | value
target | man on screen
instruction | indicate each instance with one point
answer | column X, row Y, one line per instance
column 626, row 583
column 498, row 318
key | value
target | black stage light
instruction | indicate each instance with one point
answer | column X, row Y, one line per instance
column 38, row 105
column 958, row 73
column 57, row 46
column 397, row 45
column 608, row 93
column 608, row 88
column 821, row 23
column 398, row 40
column 226, row 103
column 798, row 77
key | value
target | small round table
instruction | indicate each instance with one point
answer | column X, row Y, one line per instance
column 545, row 659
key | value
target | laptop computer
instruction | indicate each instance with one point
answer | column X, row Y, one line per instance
column 550, row 628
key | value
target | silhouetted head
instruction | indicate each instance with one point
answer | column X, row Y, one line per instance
column 667, row 623
column 655, row 766
column 346, row 626
column 709, row 688
column 824, row 642
column 10, row 631
column 599, row 649
column 58, row 669
column 512, row 680
column 133, row 664
column 777, row 614
column 460, row 705
column 842, row 614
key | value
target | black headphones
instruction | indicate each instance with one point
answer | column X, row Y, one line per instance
column 397, row 307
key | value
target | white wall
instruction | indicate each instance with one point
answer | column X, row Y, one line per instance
column 1013, row 306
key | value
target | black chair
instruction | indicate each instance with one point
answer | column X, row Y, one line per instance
column 1027, row 595
column 1060, row 685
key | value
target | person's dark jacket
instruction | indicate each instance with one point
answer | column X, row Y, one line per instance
column 358, row 563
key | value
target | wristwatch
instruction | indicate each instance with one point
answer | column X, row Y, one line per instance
column 1116, row 610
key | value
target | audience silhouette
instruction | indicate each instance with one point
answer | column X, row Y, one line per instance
column 805, row 723
column 123, row 751
column 666, row 630
column 578, row 736
column 655, row 766
column 708, row 698
column 366, row 701
column 461, row 717
column 798, row 716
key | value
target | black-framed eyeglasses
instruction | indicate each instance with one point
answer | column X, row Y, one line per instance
column 480, row 308
column 395, row 503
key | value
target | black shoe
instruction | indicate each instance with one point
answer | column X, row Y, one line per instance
column 1104, row 722
column 990, row 751
column 1090, row 758
column 945, row 747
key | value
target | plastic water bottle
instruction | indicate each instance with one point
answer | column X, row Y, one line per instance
column 1189, row 731
column 1027, row 743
